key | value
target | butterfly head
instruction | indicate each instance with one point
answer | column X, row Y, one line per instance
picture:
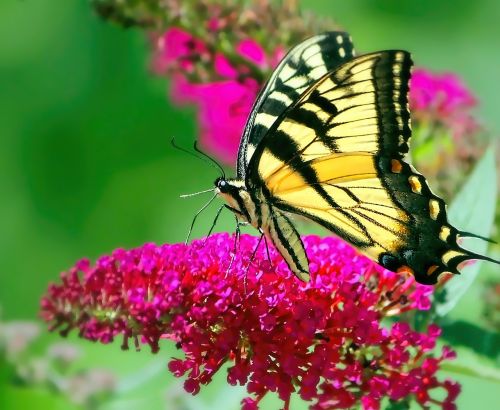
column 230, row 187
column 234, row 192
column 222, row 186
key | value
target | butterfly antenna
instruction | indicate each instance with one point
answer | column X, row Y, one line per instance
column 196, row 217
column 212, row 161
column 197, row 193
column 202, row 158
column 174, row 144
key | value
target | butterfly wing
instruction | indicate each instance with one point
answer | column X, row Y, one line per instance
column 336, row 157
column 287, row 240
column 302, row 66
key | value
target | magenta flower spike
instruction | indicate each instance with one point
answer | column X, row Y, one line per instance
column 223, row 102
column 443, row 98
column 323, row 339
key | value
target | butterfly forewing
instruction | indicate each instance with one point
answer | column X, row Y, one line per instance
column 335, row 156
column 302, row 66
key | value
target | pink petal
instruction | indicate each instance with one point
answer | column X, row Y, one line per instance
column 253, row 51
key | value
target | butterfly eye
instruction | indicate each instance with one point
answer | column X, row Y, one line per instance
column 222, row 184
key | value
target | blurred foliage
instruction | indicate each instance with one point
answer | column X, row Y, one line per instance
column 86, row 164
column 475, row 216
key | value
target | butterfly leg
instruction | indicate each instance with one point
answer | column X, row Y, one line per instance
column 196, row 217
column 267, row 248
column 236, row 238
column 250, row 262
column 214, row 222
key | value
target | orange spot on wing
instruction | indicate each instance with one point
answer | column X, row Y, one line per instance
column 396, row 166
column 405, row 270
column 432, row 269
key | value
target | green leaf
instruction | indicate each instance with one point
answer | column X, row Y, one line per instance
column 470, row 335
column 472, row 210
column 397, row 405
column 28, row 397
column 143, row 376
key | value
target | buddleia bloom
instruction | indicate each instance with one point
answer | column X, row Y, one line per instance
column 225, row 95
column 445, row 129
column 323, row 340
column 217, row 55
column 445, row 99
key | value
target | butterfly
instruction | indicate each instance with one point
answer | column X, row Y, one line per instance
column 326, row 140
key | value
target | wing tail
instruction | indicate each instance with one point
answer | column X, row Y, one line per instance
column 469, row 255
column 473, row 235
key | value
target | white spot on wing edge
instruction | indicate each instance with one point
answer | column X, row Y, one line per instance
column 399, row 57
column 396, row 69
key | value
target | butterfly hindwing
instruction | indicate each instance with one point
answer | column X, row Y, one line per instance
column 336, row 156
column 287, row 240
column 302, row 66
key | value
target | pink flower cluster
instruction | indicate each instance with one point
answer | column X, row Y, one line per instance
column 443, row 98
column 223, row 104
column 323, row 340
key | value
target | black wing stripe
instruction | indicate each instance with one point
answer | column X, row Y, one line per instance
column 286, row 238
column 305, row 61
column 284, row 148
column 331, row 227
column 378, row 223
column 346, row 87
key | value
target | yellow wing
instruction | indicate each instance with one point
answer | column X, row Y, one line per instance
column 335, row 157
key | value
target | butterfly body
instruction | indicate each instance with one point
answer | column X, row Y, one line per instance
column 255, row 208
column 326, row 140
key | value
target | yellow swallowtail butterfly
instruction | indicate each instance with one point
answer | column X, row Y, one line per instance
column 326, row 139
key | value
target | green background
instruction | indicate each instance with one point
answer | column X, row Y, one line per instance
column 86, row 165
